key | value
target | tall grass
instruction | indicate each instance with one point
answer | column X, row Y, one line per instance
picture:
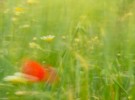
column 93, row 49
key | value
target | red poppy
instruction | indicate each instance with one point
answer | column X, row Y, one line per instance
column 37, row 73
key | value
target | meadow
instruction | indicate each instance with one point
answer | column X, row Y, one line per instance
column 91, row 44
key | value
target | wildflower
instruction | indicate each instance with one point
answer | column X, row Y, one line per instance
column 15, row 79
column 43, row 73
column 33, row 71
column 18, row 11
column 48, row 38
column 34, row 45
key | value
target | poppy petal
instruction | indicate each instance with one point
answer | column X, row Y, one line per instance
column 33, row 68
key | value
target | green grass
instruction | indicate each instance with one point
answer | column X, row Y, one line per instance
column 93, row 49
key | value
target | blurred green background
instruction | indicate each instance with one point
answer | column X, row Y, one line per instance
column 93, row 49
